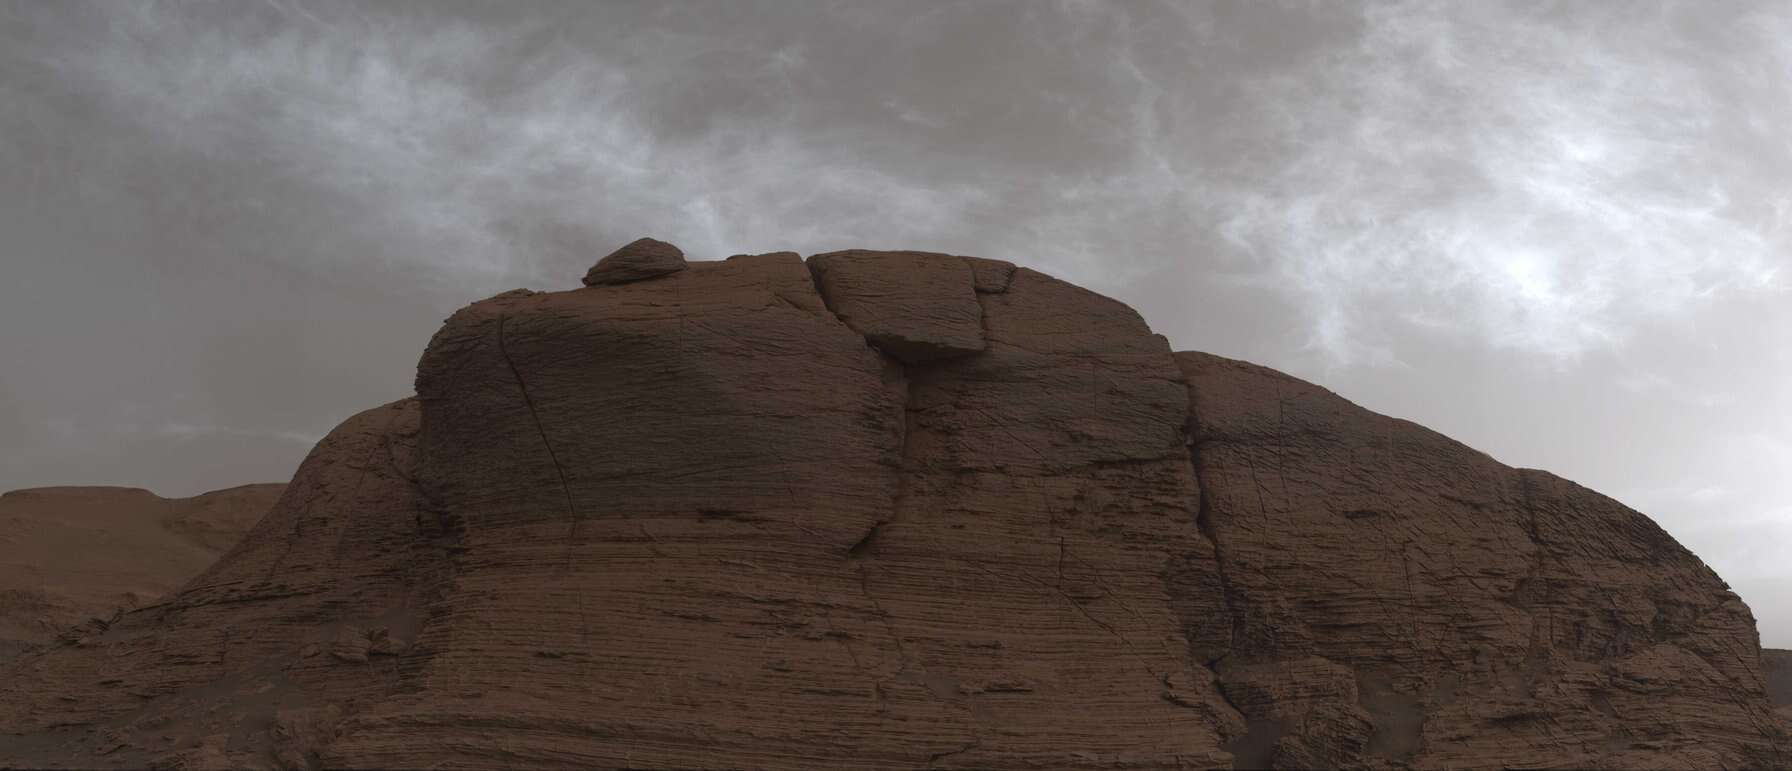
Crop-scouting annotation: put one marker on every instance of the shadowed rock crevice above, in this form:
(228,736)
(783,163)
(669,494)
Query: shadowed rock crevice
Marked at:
(903,464)
(1234,618)
(862,548)
(572,515)
(1253,673)
(990,276)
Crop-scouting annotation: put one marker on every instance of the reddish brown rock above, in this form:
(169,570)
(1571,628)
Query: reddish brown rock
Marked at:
(1490,616)
(990,276)
(640,259)
(196,680)
(70,554)
(699,522)
(915,306)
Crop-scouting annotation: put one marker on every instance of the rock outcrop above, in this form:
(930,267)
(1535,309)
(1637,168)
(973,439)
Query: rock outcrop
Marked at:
(1449,611)
(641,259)
(900,510)
(75,555)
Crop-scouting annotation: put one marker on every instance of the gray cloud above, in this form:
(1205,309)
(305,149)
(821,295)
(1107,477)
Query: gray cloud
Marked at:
(1532,179)
(1553,231)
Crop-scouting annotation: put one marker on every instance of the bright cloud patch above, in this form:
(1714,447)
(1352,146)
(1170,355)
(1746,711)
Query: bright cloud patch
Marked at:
(1537,182)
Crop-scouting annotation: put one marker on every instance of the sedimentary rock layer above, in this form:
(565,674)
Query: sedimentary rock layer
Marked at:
(901,510)
(1443,610)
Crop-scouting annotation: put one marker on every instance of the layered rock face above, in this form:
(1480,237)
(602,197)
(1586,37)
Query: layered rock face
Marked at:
(69,555)
(1396,595)
(901,510)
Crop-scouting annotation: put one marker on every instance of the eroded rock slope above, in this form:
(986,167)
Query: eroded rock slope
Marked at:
(901,510)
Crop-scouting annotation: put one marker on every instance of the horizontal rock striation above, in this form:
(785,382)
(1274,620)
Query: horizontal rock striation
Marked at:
(901,510)
(1453,612)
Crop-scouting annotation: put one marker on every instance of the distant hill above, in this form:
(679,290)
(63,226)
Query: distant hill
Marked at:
(70,554)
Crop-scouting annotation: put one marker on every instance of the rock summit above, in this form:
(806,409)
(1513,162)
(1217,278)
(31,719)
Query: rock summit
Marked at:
(642,258)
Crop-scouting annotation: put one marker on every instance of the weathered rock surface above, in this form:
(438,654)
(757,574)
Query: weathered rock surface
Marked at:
(940,512)
(1471,614)
(915,306)
(642,258)
(72,554)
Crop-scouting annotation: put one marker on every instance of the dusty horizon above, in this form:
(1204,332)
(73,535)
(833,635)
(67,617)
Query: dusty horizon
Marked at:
(1556,235)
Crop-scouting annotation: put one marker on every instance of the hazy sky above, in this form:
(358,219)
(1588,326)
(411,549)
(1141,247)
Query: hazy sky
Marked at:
(1556,231)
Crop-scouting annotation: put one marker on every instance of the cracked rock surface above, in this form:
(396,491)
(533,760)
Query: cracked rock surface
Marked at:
(915,306)
(1457,612)
(902,510)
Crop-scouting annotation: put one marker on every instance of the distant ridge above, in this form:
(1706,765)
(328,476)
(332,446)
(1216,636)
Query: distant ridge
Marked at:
(76,553)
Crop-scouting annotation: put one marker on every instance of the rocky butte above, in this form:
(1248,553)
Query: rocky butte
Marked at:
(901,510)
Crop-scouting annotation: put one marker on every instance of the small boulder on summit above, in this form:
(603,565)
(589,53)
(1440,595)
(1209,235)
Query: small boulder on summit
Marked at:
(642,258)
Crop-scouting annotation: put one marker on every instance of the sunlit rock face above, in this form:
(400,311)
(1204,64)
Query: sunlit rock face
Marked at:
(902,510)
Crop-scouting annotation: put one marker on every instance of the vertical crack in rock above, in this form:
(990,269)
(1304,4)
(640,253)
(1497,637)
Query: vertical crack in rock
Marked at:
(866,546)
(1529,587)
(983,312)
(904,461)
(905,466)
(883,616)
(1204,524)
(815,279)
(980,269)
(572,517)
(1230,599)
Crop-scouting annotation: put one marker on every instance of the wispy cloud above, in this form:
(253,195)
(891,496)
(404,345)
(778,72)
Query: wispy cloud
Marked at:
(198,431)
(1530,178)
(279,200)
(393,117)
